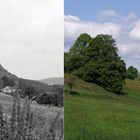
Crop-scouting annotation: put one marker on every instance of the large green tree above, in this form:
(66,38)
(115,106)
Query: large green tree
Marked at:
(99,62)
(76,57)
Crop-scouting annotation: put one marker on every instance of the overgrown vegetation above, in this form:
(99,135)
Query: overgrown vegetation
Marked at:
(21,124)
(52,99)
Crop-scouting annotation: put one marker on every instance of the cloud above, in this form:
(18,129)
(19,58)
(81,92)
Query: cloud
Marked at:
(108,14)
(74,27)
(31,37)
(130,53)
(124,29)
(130,18)
(135,32)
(71,18)
(125,20)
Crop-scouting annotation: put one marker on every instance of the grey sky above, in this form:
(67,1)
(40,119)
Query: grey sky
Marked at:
(31,37)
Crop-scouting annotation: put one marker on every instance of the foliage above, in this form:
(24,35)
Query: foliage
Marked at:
(51,99)
(2,124)
(5,81)
(96,60)
(138,77)
(54,98)
(131,72)
(30,91)
(8,81)
(75,58)
(21,124)
(14,128)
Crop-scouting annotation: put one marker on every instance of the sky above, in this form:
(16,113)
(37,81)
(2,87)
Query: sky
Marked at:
(31,37)
(121,19)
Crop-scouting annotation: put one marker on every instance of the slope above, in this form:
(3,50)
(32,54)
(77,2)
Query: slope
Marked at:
(99,115)
(23,83)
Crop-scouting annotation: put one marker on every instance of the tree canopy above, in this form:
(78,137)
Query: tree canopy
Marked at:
(96,60)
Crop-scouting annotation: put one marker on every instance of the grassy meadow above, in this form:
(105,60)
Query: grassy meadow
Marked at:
(96,114)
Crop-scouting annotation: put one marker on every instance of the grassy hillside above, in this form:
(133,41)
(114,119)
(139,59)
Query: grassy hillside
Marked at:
(99,115)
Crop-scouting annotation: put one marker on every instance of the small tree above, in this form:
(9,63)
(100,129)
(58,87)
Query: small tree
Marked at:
(70,81)
(131,72)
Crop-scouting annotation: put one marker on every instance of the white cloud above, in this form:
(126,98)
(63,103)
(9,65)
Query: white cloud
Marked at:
(108,14)
(130,52)
(124,29)
(74,28)
(135,32)
(31,37)
(129,49)
(130,18)
(71,18)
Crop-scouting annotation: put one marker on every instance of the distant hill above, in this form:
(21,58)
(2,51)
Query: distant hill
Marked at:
(53,81)
(41,87)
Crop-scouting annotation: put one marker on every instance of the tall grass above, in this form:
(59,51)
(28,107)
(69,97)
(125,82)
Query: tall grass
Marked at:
(96,114)
(21,124)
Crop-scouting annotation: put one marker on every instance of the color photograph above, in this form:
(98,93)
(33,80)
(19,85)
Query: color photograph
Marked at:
(101,70)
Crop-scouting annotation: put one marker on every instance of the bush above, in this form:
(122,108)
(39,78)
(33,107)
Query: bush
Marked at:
(51,99)
(75,93)
(131,73)
(30,92)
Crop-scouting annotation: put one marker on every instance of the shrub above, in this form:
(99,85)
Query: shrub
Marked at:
(30,92)
(51,99)
(131,73)
(74,93)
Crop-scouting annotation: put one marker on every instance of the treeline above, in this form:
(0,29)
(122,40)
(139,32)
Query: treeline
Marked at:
(96,60)
(51,98)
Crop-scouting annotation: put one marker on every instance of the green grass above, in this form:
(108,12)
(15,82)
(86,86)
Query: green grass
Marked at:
(99,115)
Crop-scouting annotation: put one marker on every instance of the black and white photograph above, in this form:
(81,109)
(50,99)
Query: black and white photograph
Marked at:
(31,69)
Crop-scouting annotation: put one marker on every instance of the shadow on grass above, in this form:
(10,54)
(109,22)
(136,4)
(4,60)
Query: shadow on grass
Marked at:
(73,93)
(123,93)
